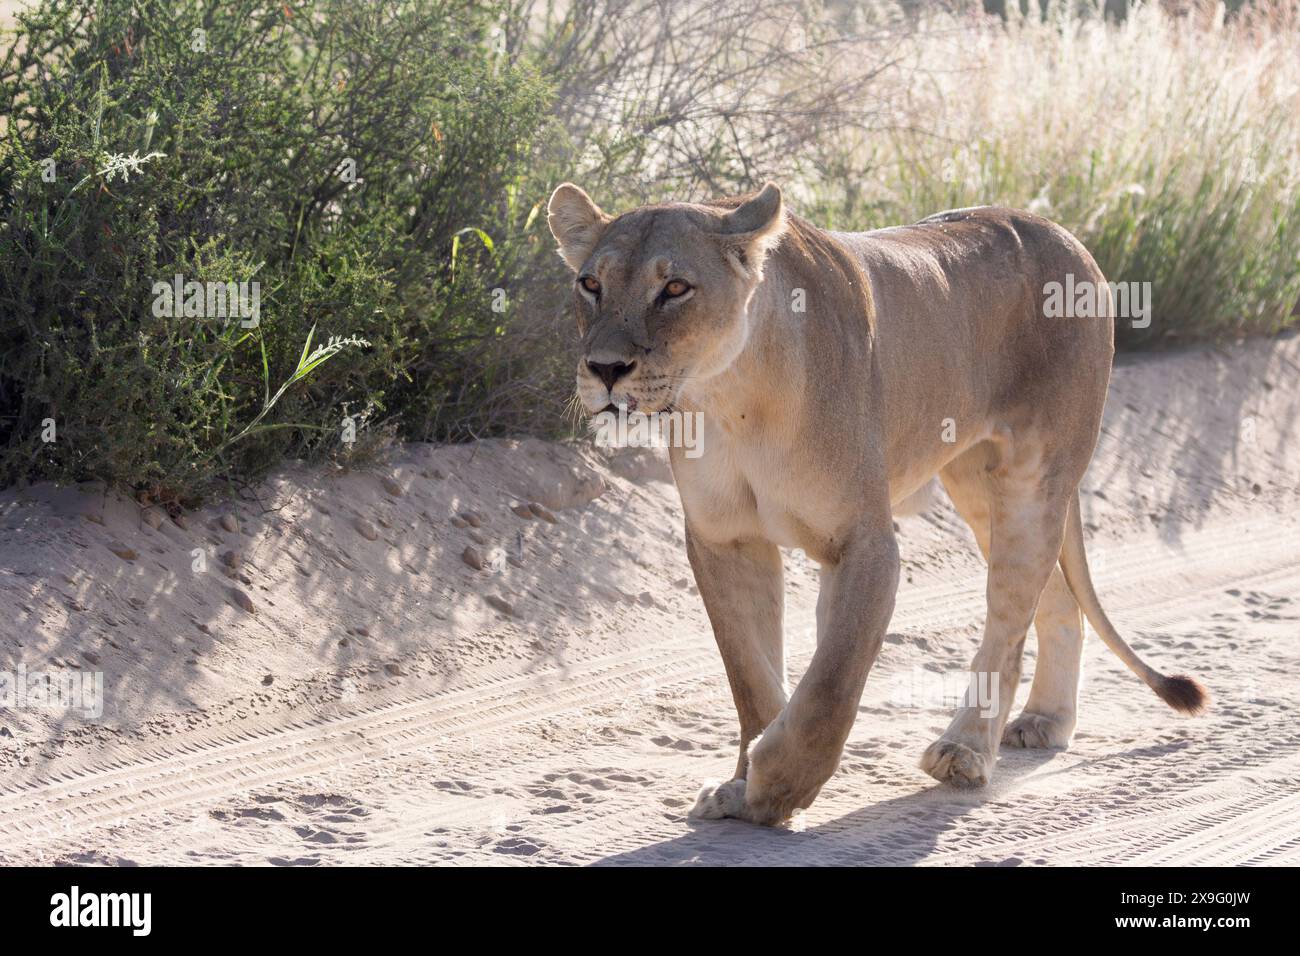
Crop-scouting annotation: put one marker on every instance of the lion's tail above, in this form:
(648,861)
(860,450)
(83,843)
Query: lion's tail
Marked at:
(1180,692)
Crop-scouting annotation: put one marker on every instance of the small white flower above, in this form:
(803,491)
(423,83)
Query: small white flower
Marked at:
(118,163)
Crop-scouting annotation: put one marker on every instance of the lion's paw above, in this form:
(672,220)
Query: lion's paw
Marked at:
(951,762)
(718,800)
(1037,730)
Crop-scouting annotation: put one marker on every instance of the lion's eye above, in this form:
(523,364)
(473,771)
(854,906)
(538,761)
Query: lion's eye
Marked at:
(591,284)
(676,289)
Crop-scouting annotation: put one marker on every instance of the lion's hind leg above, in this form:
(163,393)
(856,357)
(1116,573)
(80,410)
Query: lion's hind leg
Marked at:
(1017,507)
(1049,715)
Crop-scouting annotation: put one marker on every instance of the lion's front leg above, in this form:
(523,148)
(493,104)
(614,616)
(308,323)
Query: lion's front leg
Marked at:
(798,752)
(741,583)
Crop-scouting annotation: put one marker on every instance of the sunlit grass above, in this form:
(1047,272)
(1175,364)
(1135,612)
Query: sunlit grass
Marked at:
(1171,147)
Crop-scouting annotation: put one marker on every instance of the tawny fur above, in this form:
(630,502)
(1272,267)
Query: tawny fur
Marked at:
(837,374)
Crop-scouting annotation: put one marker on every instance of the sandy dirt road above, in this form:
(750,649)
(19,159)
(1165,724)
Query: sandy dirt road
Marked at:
(340,684)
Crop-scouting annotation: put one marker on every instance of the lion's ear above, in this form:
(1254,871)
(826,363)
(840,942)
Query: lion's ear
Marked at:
(576,223)
(751,230)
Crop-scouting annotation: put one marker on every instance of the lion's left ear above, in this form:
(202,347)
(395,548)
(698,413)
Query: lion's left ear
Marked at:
(751,230)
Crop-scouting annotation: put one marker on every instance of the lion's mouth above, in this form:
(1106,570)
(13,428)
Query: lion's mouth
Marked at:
(629,407)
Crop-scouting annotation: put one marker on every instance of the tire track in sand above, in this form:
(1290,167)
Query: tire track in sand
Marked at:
(198,769)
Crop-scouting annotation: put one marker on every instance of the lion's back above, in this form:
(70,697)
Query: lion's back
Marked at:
(960,296)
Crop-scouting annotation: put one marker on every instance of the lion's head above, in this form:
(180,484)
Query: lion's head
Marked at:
(661,292)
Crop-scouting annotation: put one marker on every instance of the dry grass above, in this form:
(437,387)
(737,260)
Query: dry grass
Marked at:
(1169,144)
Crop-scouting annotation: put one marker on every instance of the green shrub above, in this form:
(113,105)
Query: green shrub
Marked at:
(150,139)
(141,140)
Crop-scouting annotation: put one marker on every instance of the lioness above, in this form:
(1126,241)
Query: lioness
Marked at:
(918,350)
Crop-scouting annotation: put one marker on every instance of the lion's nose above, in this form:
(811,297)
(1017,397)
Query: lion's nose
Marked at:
(610,372)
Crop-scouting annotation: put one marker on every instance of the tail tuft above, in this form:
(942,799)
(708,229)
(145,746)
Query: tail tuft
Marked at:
(1183,694)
